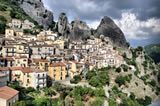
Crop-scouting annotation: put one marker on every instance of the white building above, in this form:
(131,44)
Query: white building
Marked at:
(40,78)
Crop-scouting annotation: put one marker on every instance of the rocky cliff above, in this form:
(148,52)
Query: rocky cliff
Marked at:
(63,24)
(75,31)
(79,30)
(35,9)
(108,28)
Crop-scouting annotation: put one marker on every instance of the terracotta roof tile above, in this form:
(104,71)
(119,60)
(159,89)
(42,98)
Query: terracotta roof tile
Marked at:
(57,64)
(9,58)
(15,68)
(26,70)
(4,68)
(40,60)
(7,93)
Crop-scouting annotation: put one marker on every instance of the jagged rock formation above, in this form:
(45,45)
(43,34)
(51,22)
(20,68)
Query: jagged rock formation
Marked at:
(35,9)
(62,24)
(108,28)
(79,30)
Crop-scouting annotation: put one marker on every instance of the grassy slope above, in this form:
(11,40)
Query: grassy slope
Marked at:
(153,51)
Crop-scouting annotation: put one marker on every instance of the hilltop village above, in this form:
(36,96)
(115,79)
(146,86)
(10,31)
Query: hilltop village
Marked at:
(34,59)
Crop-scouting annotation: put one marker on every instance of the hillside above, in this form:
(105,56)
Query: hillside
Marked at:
(9,9)
(153,51)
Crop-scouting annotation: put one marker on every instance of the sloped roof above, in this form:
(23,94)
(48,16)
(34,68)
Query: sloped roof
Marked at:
(7,93)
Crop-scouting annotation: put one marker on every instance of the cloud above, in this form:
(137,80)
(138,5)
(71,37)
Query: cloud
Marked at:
(94,9)
(136,29)
(94,24)
(138,19)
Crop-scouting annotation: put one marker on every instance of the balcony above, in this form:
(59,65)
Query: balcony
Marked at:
(41,77)
(42,82)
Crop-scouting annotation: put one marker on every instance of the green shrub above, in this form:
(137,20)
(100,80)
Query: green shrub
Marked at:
(94,82)
(118,69)
(76,79)
(49,92)
(153,82)
(29,89)
(112,102)
(20,103)
(79,103)
(3,8)
(97,102)
(3,23)
(41,102)
(57,86)
(120,80)
(125,67)
(132,96)
(90,74)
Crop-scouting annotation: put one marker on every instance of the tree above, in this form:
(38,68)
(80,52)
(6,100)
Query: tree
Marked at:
(3,22)
(148,100)
(97,102)
(79,103)
(49,92)
(99,92)
(20,103)
(94,82)
(153,82)
(76,79)
(3,8)
(41,102)
(118,69)
(132,96)
(57,86)
(103,78)
(13,13)
(120,80)
(90,74)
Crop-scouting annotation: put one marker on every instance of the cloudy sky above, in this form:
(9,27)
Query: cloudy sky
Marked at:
(138,19)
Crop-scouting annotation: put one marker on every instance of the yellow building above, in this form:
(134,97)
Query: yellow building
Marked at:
(61,43)
(9,33)
(19,33)
(21,61)
(76,68)
(17,74)
(8,96)
(57,71)
(41,64)
(29,77)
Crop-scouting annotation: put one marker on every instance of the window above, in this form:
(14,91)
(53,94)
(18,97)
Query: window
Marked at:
(27,74)
(54,68)
(38,75)
(43,75)
(27,80)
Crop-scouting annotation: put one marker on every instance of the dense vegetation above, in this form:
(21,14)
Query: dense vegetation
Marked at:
(153,51)
(98,77)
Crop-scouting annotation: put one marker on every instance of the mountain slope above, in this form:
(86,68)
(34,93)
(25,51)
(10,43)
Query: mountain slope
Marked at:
(36,10)
(108,28)
(153,51)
